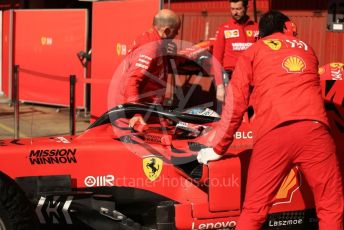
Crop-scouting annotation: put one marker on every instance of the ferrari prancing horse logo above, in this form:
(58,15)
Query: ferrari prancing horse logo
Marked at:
(152,167)
(274,44)
(249,33)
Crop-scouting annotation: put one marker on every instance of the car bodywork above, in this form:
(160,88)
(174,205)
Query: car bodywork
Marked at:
(114,177)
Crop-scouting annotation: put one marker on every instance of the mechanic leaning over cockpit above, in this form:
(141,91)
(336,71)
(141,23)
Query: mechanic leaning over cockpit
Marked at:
(279,76)
(144,76)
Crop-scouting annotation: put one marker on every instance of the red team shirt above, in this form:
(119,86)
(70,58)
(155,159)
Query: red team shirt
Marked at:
(332,71)
(282,71)
(232,40)
(143,77)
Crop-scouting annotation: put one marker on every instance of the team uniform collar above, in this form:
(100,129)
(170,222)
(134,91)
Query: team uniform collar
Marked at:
(155,34)
(248,21)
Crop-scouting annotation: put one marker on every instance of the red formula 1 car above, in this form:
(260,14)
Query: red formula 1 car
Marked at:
(115,177)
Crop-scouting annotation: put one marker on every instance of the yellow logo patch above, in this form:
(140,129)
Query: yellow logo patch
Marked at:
(231,33)
(152,167)
(336,65)
(46,41)
(43,40)
(249,33)
(321,70)
(294,64)
(289,185)
(119,49)
(274,44)
(227,34)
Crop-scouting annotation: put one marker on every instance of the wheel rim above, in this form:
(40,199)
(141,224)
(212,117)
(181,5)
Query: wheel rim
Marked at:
(2,224)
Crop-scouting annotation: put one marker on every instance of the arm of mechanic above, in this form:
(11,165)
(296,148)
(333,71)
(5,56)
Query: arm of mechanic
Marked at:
(218,53)
(143,63)
(237,101)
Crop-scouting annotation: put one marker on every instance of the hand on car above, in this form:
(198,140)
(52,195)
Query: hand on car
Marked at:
(136,120)
(207,154)
(220,93)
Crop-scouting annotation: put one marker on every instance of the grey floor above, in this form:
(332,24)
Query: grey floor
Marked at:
(38,120)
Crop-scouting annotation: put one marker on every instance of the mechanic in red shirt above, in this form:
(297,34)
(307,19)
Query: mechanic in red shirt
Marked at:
(332,71)
(143,78)
(278,75)
(232,38)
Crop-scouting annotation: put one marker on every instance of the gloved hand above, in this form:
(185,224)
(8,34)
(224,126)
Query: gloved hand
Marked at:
(207,154)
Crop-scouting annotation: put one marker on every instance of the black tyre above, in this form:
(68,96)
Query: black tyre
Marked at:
(16,212)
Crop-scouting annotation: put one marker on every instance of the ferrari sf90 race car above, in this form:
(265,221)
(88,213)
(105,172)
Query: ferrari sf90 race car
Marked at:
(146,177)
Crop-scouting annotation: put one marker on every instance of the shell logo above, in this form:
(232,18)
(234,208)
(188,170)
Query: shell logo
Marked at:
(294,64)
(227,34)
(290,184)
(231,33)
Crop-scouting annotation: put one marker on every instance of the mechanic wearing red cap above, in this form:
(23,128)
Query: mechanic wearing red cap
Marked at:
(278,74)
(232,38)
(144,76)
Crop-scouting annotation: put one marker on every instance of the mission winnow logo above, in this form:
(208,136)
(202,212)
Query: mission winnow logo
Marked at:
(52,156)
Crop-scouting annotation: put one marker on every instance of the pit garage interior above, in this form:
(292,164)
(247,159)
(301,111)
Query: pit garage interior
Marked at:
(44,88)
(57,63)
